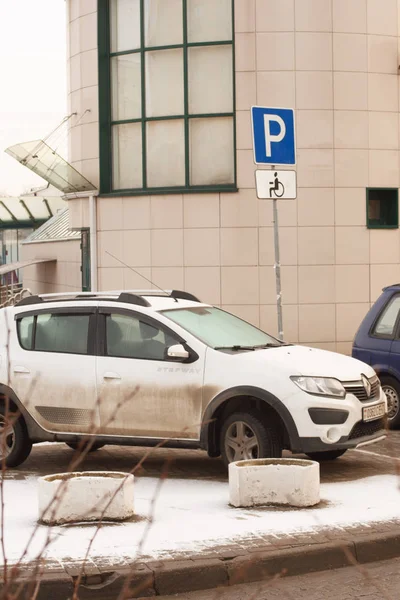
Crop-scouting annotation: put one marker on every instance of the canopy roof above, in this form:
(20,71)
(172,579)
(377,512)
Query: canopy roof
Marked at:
(28,211)
(44,161)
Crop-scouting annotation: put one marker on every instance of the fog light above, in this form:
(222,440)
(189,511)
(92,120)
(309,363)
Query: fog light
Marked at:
(333,435)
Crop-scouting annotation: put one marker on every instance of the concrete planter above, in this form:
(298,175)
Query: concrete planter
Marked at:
(91,496)
(282,482)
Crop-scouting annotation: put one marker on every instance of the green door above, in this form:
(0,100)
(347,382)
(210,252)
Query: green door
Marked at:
(85,260)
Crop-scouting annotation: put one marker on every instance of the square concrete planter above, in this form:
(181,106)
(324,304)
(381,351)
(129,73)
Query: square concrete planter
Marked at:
(281,482)
(91,496)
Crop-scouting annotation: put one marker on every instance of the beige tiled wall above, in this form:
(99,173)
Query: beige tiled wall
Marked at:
(336,62)
(62,276)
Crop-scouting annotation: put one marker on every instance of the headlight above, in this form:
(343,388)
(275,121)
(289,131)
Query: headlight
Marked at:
(320,386)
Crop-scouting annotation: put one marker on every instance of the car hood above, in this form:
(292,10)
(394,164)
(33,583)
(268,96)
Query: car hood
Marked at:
(301,360)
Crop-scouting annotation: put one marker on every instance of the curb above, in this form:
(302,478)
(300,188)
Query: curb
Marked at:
(159,578)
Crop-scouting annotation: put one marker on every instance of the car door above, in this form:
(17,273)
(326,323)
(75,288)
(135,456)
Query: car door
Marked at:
(53,368)
(394,359)
(385,348)
(142,393)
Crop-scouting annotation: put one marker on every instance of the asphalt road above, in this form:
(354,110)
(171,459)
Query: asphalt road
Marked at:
(377,581)
(45,459)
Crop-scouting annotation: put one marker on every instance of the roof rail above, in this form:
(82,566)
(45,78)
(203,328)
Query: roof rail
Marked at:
(178,295)
(136,297)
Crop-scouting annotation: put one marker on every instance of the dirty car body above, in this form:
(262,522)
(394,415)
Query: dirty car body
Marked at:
(141,368)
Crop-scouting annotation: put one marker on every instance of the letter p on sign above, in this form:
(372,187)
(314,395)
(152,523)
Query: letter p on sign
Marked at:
(273,136)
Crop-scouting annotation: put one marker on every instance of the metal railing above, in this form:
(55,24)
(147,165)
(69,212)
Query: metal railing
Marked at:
(13,293)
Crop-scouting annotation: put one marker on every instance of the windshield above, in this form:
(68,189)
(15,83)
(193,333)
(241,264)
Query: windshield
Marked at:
(219,329)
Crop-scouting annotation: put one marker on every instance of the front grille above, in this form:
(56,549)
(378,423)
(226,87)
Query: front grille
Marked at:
(362,429)
(361,394)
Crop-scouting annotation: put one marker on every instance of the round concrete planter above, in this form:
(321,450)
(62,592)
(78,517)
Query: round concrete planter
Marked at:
(275,481)
(91,496)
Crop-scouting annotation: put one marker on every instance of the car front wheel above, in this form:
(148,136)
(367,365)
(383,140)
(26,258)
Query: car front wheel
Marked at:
(391,387)
(245,437)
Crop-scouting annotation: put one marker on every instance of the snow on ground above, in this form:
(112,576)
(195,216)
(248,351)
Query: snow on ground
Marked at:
(193,516)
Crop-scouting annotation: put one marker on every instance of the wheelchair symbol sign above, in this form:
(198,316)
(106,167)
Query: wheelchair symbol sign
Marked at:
(278,189)
(276,184)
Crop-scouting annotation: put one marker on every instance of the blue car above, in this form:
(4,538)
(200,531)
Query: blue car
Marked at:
(377,343)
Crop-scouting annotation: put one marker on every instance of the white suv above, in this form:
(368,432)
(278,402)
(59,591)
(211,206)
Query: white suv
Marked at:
(135,368)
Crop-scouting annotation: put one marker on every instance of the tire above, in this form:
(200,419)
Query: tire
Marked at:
(323,456)
(17,445)
(391,387)
(265,439)
(82,447)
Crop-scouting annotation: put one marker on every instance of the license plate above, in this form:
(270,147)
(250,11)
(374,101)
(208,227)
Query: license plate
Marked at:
(370,413)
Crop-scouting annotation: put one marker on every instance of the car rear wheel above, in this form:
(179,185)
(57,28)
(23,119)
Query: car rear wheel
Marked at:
(82,446)
(15,445)
(245,437)
(323,456)
(391,387)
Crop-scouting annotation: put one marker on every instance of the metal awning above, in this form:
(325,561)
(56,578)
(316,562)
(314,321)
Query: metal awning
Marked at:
(55,229)
(40,158)
(4,269)
(28,211)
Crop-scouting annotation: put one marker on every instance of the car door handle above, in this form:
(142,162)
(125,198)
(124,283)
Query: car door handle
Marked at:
(111,375)
(21,370)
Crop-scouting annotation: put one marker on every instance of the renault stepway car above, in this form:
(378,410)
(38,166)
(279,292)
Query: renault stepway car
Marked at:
(378,343)
(135,368)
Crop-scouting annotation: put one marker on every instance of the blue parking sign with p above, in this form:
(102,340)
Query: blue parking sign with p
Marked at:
(273,136)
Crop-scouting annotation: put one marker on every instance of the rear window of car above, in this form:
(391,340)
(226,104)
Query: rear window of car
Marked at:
(46,332)
(386,323)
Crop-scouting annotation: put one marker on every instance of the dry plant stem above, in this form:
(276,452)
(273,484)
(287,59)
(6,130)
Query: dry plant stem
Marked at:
(100,522)
(123,595)
(63,487)
(4,457)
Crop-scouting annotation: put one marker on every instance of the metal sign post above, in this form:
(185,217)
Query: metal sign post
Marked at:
(277,268)
(274,143)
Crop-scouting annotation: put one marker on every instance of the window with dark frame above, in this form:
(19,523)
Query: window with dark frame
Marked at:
(382,208)
(167,101)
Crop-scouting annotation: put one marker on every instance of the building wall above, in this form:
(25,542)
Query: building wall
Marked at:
(62,276)
(336,62)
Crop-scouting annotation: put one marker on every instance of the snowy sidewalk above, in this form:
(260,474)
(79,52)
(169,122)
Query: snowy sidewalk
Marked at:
(187,535)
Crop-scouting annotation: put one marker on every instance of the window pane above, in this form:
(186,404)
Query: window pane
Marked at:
(163,22)
(164,83)
(128,337)
(211,151)
(127,156)
(25,331)
(209,20)
(125,25)
(126,87)
(165,153)
(387,321)
(210,80)
(62,333)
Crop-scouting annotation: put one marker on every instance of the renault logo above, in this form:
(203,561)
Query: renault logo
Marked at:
(367,385)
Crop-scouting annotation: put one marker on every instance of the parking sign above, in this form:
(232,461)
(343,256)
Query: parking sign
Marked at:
(273,136)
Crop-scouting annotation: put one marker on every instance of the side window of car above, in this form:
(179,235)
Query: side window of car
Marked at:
(128,337)
(386,324)
(67,333)
(25,332)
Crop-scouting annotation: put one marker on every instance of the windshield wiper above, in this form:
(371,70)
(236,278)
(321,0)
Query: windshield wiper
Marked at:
(235,348)
(257,347)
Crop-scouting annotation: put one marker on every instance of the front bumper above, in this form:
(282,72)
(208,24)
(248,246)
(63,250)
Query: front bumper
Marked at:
(361,434)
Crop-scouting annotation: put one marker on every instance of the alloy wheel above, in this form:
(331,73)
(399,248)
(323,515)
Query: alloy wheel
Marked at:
(241,442)
(393,401)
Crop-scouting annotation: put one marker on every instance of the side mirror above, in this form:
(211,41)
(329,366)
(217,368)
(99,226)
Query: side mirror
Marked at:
(177,353)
